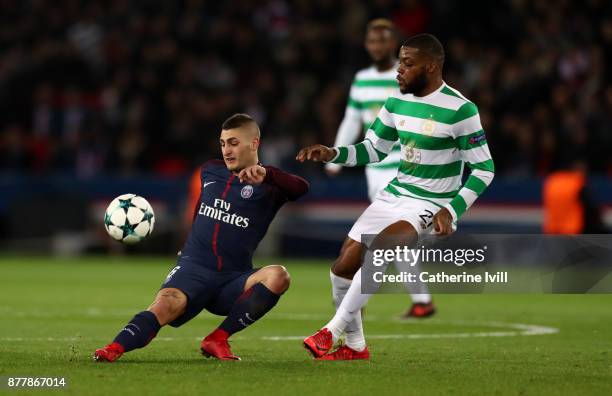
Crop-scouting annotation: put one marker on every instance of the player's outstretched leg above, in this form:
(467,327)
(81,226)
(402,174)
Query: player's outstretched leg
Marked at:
(341,275)
(262,291)
(321,342)
(168,305)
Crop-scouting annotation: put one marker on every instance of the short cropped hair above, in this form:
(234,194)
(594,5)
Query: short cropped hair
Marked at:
(428,44)
(383,24)
(237,120)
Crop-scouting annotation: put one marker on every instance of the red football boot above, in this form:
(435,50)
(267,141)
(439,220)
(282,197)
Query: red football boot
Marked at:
(420,311)
(109,353)
(319,343)
(346,353)
(217,346)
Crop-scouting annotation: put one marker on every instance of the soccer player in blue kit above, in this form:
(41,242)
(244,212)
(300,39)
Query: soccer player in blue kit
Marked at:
(238,200)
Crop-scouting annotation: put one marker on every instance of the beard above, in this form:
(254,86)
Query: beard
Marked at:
(418,83)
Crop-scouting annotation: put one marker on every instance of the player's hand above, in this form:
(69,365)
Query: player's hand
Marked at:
(316,153)
(332,170)
(443,222)
(254,174)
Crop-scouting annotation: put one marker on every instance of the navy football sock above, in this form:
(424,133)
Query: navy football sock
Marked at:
(139,332)
(249,307)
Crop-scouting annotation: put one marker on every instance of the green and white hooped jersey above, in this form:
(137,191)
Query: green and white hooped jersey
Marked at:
(369,91)
(439,134)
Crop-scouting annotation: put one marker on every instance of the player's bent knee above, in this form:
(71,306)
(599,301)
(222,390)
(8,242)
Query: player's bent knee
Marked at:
(349,260)
(341,269)
(169,304)
(277,279)
(282,279)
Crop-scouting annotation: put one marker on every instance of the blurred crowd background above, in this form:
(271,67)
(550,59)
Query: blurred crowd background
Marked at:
(95,87)
(100,98)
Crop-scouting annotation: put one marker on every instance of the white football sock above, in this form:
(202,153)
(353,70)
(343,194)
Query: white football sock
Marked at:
(340,286)
(354,330)
(349,311)
(354,333)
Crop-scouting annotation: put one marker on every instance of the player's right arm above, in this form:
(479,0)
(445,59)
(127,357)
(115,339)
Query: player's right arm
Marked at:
(380,139)
(350,128)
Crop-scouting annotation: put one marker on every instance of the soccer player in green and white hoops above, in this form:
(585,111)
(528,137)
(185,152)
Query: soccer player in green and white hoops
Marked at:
(440,132)
(369,90)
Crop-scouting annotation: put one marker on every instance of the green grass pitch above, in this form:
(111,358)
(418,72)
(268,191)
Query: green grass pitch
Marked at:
(54,312)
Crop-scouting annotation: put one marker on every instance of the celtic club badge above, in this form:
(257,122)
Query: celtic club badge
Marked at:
(412,154)
(428,127)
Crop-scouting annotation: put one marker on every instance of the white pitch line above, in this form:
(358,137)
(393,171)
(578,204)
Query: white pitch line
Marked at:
(30,339)
(517,329)
(128,313)
(520,330)
(409,336)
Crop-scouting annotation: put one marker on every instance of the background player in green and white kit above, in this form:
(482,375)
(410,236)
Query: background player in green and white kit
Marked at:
(440,132)
(369,90)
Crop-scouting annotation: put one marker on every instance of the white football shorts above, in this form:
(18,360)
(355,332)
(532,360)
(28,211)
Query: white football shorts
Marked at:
(388,209)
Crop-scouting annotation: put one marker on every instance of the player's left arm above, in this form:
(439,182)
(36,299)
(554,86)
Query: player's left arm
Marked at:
(291,185)
(254,174)
(472,145)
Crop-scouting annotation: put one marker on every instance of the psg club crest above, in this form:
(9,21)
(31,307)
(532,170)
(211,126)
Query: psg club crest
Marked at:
(246,191)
